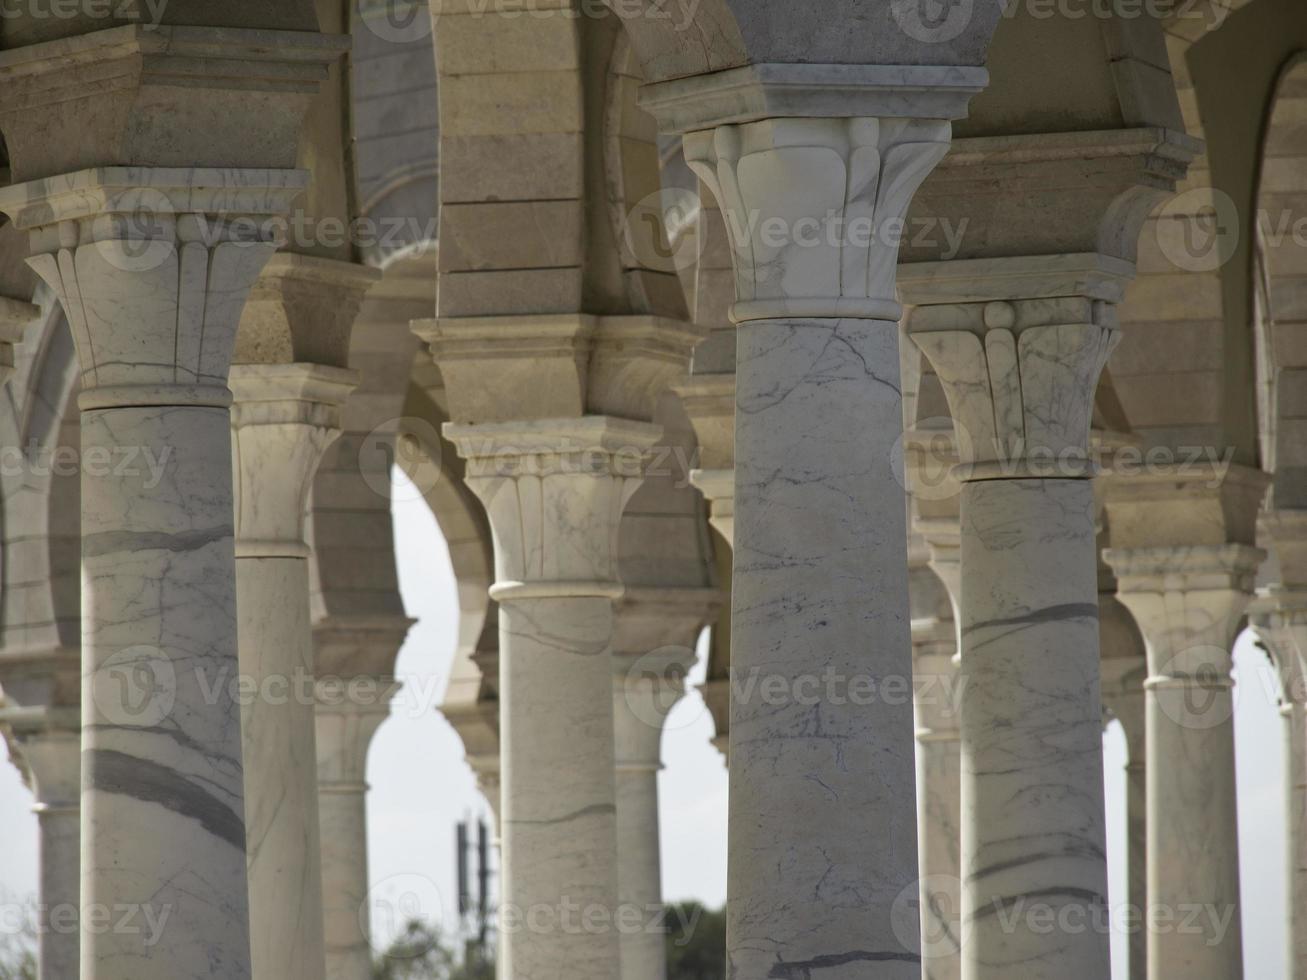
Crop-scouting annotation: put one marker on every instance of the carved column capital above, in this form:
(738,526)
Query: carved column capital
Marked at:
(1020,377)
(554,491)
(1187,602)
(283,419)
(814,208)
(45,745)
(153,267)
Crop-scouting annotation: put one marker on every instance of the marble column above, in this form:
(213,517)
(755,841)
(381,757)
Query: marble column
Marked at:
(283,419)
(46,743)
(818,514)
(1124,670)
(1020,376)
(1188,602)
(154,305)
(345,723)
(1281,623)
(554,491)
(653,652)
(939,767)
(1279,617)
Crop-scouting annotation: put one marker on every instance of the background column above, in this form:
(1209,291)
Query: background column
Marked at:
(347,715)
(554,492)
(46,744)
(284,417)
(1020,379)
(154,319)
(654,651)
(1188,600)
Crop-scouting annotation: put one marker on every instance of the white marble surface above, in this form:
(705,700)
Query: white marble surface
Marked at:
(283,419)
(810,206)
(1123,674)
(1188,602)
(52,758)
(939,780)
(344,730)
(1033,837)
(823,824)
(554,492)
(1280,620)
(154,319)
(162,800)
(654,651)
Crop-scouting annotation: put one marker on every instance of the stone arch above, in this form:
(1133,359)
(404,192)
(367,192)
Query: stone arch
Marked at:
(471,701)
(1280,259)
(1186,366)
(41,552)
(396,125)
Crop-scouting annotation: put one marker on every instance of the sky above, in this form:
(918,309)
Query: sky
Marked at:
(421,786)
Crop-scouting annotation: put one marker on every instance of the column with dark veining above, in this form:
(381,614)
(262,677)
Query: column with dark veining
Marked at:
(1020,379)
(819,591)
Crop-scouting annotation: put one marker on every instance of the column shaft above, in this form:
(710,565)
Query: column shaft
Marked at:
(558,786)
(1279,620)
(1188,602)
(1123,696)
(554,492)
(1295,721)
(162,802)
(57,952)
(284,418)
(654,652)
(819,600)
(282,824)
(933,589)
(1033,839)
(644,954)
(344,731)
(47,747)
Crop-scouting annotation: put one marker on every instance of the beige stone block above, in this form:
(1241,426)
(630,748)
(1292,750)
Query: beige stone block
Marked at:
(1285,173)
(1288,296)
(522,102)
(509,293)
(510,235)
(1289,343)
(501,10)
(1177,345)
(1178,435)
(486,45)
(1182,296)
(1171,399)
(491,168)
